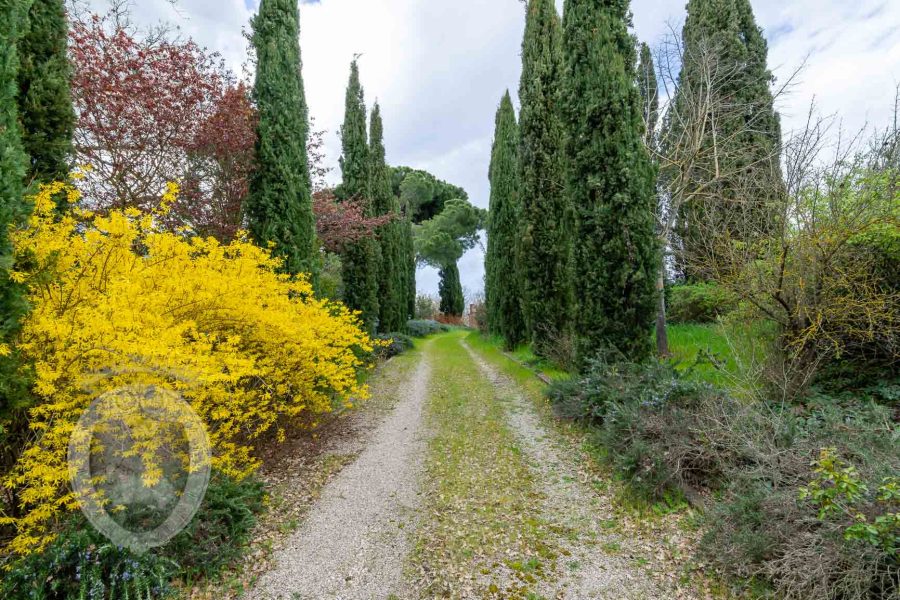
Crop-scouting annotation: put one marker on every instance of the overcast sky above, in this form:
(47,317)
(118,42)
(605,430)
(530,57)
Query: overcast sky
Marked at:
(440,67)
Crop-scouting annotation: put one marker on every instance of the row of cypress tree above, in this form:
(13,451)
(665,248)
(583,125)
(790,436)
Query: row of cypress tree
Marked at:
(577,217)
(577,212)
(379,273)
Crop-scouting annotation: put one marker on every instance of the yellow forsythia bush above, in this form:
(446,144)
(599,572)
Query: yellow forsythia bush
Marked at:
(117,302)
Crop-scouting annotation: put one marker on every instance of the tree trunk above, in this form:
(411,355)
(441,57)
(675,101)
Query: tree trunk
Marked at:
(662,336)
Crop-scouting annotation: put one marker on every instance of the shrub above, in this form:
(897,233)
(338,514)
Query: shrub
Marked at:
(81,563)
(815,512)
(424,328)
(222,527)
(394,344)
(698,303)
(812,524)
(117,302)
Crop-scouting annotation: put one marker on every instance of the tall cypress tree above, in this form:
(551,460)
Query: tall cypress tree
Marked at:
(360,259)
(392,295)
(409,261)
(503,286)
(610,182)
(13,165)
(45,99)
(547,220)
(453,301)
(648,87)
(279,207)
(739,183)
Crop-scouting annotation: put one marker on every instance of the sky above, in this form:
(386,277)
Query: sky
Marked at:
(439,68)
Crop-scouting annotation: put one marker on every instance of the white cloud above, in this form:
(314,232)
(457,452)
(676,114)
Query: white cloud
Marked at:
(439,68)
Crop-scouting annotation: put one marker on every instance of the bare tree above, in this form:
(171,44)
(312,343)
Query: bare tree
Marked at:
(695,160)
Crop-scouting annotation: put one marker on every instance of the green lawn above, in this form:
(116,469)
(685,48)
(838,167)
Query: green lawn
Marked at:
(724,355)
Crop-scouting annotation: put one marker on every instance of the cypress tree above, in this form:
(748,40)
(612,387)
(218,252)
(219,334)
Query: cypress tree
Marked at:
(610,182)
(453,302)
(13,165)
(409,261)
(45,98)
(502,283)
(739,186)
(360,259)
(392,294)
(649,89)
(279,206)
(547,220)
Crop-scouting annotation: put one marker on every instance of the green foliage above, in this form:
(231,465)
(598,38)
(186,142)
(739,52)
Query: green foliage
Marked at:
(82,564)
(448,236)
(220,532)
(426,307)
(737,191)
(442,241)
(13,164)
(360,259)
(279,206)
(397,343)
(45,99)
(698,303)
(393,273)
(547,223)
(331,281)
(611,182)
(809,523)
(503,284)
(837,490)
(422,193)
(649,90)
(453,302)
(425,327)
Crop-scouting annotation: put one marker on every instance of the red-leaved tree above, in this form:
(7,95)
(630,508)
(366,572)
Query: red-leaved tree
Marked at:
(140,106)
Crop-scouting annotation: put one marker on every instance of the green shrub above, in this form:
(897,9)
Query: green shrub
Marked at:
(398,343)
(760,471)
(221,529)
(424,327)
(698,303)
(82,564)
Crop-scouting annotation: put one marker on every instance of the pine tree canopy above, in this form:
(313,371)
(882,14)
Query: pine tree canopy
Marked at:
(503,289)
(611,182)
(279,206)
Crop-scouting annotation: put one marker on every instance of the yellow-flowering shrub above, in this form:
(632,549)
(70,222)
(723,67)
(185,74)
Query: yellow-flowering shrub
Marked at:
(116,302)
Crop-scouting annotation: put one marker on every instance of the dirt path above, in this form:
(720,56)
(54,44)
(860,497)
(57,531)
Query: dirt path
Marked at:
(464,490)
(354,541)
(599,562)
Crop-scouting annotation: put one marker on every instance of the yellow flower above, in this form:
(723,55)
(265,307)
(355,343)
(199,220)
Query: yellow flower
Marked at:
(249,348)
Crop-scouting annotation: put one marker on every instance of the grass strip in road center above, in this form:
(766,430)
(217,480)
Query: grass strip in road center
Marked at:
(482,535)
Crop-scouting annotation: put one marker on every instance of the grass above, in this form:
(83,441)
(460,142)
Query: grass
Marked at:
(484,531)
(726,355)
